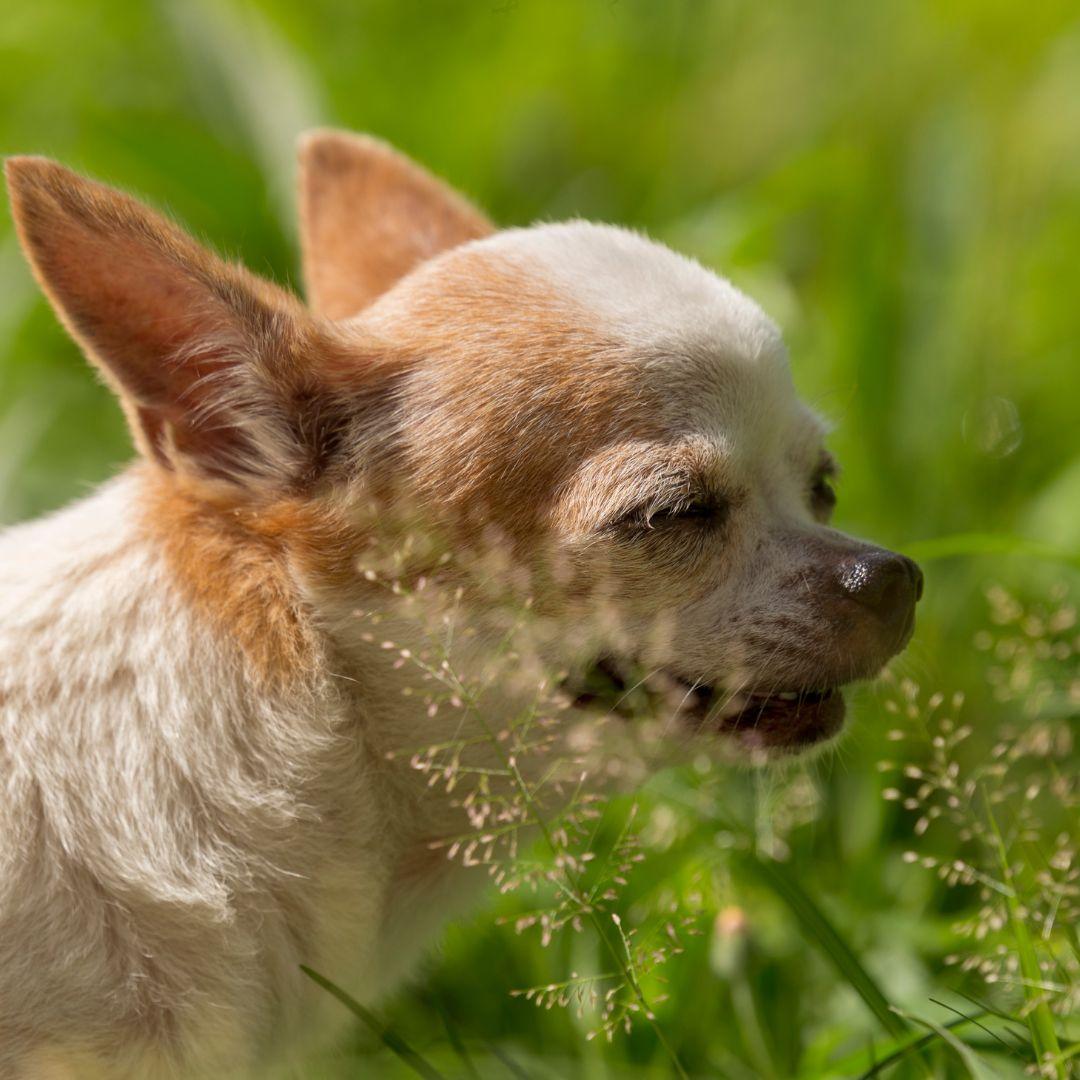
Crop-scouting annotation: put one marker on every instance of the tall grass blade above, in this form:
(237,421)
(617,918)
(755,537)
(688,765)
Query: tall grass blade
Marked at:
(945,547)
(976,1067)
(1010,1022)
(1040,1019)
(511,1065)
(456,1041)
(818,928)
(1070,1052)
(389,1038)
(892,1053)
(271,91)
(971,1019)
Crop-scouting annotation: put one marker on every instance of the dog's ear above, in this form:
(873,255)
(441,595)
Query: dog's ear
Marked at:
(368,215)
(218,370)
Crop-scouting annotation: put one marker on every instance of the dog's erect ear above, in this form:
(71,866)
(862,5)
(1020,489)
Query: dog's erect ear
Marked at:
(217,369)
(368,215)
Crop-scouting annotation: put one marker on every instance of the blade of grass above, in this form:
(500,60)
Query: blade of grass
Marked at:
(1040,1020)
(1068,1053)
(818,928)
(944,547)
(389,1038)
(750,1027)
(270,89)
(982,1027)
(1016,1028)
(893,1052)
(977,1069)
(511,1065)
(457,1044)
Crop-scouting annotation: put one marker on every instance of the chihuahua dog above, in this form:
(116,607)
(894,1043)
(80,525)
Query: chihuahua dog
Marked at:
(197,736)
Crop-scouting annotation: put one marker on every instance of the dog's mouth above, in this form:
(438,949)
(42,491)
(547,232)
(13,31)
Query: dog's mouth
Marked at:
(774,720)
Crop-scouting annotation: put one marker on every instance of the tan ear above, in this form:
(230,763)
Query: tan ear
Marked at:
(211,363)
(368,215)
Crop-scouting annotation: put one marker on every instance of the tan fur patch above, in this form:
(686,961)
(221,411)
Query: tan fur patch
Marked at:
(231,561)
(368,216)
(518,386)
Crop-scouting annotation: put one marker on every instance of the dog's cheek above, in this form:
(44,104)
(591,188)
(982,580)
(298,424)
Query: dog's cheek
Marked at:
(664,602)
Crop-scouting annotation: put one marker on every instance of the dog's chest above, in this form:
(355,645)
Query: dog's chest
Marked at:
(185,839)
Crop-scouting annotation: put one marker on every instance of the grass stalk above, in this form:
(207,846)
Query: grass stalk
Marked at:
(819,929)
(622,957)
(1039,1018)
(386,1035)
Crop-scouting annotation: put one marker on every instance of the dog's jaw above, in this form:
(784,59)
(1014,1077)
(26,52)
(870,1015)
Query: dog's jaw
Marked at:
(753,722)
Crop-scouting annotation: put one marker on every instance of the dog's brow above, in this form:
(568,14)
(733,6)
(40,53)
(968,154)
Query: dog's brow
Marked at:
(653,486)
(655,492)
(625,478)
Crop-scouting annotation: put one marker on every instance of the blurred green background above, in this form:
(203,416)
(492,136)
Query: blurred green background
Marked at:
(897,182)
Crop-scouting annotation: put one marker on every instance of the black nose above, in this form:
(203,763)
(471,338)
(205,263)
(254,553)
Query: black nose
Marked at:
(886,583)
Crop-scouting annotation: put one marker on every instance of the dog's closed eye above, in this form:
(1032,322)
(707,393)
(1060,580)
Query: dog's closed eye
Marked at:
(696,511)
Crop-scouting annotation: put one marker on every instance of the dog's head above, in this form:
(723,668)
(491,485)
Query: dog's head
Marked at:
(575,389)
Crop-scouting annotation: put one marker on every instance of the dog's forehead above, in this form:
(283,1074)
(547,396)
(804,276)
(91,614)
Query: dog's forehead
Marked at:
(660,300)
(706,351)
(588,331)
(584,360)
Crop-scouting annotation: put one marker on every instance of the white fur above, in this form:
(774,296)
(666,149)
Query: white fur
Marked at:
(662,302)
(173,844)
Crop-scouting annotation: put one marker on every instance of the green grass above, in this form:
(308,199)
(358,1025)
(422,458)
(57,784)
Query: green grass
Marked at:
(898,184)
(386,1035)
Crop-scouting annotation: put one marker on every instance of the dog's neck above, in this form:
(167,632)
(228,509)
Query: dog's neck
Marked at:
(279,597)
(286,587)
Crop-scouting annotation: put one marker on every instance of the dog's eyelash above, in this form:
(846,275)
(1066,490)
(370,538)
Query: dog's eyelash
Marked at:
(691,511)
